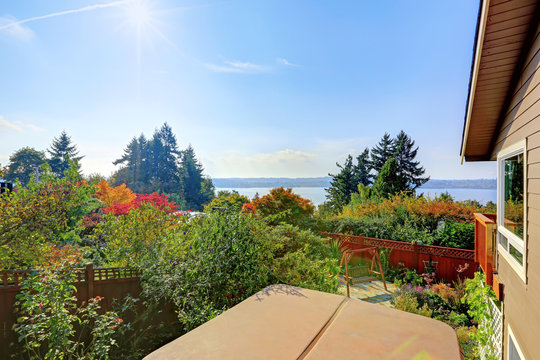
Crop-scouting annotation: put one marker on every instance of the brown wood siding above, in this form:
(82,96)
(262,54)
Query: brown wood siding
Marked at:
(522,121)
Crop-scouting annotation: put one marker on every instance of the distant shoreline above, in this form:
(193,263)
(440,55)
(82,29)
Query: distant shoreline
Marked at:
(325,182)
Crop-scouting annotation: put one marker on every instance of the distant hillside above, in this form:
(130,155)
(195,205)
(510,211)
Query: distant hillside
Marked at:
(461,184)
(271,182)
(325,182)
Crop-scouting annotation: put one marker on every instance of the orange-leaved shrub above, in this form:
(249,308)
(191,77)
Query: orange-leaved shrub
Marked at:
(114,195)
(419,207)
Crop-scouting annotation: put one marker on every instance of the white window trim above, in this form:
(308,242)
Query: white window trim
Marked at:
(516,344)
(519,244)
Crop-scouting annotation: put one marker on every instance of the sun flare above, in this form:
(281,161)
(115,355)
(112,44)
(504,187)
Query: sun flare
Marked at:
(139,13)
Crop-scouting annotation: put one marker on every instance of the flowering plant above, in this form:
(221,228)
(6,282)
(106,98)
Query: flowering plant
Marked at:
(48,313)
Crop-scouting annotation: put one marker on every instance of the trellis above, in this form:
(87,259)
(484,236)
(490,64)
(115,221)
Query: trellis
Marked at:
(493,349)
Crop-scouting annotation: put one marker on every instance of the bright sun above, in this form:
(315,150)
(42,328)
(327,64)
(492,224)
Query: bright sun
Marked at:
(139,13)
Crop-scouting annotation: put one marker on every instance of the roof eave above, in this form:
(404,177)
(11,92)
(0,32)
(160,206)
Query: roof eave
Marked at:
(477,53)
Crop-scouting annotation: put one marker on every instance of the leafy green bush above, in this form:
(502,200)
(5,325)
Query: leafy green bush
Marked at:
(298,269)
(227,202)
(41,215)
(403,275)
(49,316)
(137,238)
(477,299)
(215,262)
(408,302)
(466,336)
(218,261)
(455,234)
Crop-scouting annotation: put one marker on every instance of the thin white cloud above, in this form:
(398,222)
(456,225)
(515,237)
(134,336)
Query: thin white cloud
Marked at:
(6,125)
(11,27)
(18,126)
(238,67)
(286,62)
(285,162)
(14,24)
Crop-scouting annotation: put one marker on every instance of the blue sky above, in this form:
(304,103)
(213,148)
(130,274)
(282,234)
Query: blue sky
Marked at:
(258,87)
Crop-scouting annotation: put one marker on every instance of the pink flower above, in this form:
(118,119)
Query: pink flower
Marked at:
(40,304)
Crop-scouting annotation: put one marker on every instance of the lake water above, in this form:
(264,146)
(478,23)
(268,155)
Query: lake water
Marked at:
(318,195)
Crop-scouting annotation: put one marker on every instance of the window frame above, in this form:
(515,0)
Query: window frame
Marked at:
(512,239)
(516,344)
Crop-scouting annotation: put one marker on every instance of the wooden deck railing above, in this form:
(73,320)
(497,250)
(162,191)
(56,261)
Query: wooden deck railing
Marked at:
(485,243)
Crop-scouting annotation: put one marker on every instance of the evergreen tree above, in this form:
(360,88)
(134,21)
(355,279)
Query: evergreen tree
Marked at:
(388,182)
(168,174)
(342,185)
(196,187)
(61,151)
(24,164)
(362,168)
(407,168)
(133,172)
(208,190)
(381,152)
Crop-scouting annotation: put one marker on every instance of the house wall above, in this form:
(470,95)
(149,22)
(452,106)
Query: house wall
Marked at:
(522,121)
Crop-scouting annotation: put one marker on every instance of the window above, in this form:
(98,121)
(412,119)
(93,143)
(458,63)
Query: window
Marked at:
(511,206)
(514,351)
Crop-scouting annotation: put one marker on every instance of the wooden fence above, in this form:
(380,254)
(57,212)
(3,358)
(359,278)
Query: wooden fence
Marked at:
(446,261)
(110,283)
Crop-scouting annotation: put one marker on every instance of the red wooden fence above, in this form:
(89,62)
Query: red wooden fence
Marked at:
(445,260)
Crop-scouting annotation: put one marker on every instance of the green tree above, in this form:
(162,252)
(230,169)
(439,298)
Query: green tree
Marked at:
(388,182)
(61,151)
(94,178)
(408,169)
(165,156)
(41,214)
(134,172)
(24,164)
(208,190)
(3,170)
(381,152)
(363,167)
(197,188)
(342,185)
(227,201)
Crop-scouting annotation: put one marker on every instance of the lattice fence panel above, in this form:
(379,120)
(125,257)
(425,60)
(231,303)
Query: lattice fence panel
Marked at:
(446,252)
(495,342)
(389,244)
(114,273)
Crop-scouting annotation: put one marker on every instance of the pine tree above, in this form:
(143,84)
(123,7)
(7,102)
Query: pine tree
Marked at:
(196,187)
(342,185)
(24,164)
(388,182)
(407,168)
(163,157)
(133,172)
(362,168)
(169,175)
(61,151)
(381,152)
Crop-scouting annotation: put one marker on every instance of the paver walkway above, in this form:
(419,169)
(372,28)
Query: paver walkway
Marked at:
(363,288)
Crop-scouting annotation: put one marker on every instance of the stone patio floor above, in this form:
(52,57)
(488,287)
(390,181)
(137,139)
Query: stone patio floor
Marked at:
(368,289)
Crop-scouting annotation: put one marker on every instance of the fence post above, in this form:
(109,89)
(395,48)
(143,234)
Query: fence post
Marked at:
(90,280)
(415,256)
